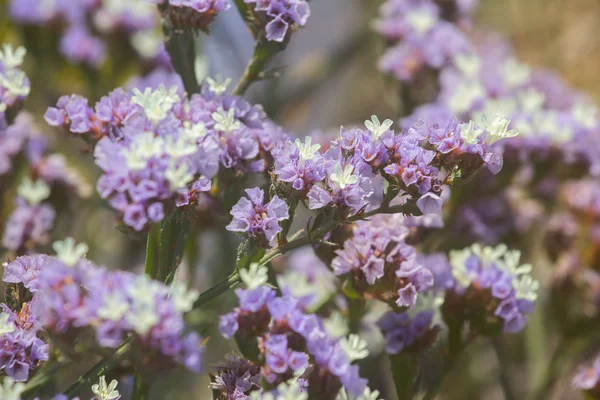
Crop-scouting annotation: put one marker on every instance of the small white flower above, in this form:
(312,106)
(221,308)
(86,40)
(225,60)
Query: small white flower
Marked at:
(178,175)
(15,83)
(460,273)
(514,73)
(5,325)
(526,288)
(257,395)
(179,147)
(143,317)
(366,395)
(336,325)
(183,299)
(104,391)
(225,121)
(219,85)
(489,254)
(68,252)
(195,131)
(156,103)
(147,43)
(307,150)
(586,114)
(343,177)
(469,65)
(421,21)
(355,347)
(531,100)
(498,129)
(510,263)
(113,308)
(470,132)
(12,58)
(290,390)
(3,107)
(11,390)
(376,127)
(33,192)
(142,148)
(465,95)
(255,275)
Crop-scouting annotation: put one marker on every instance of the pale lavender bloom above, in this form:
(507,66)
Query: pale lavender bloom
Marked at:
(236,378)
(257,219)
(377,247)
(28,222)
(115,304)
(404,332)
(280,16)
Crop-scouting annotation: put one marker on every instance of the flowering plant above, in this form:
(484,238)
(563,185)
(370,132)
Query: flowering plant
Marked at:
(369,259)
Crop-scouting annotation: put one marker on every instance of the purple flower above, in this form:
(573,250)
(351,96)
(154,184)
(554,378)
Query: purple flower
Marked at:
(377,249)
(280,15)
(236,378)
(257,219)
(25,270)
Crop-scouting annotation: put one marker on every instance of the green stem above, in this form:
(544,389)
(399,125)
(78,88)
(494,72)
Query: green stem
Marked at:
(140,388)
(43,376)
(181,46)
(504,380)
(234,278)
(434,390)
(103,367)
(214,292)
(264,52)
(152,250)
(404,370)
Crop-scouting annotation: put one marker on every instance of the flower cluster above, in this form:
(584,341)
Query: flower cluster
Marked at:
(379,262)
(290,340)
(587,379)
(421,38)
(280,17)
(158,150)
(71,295)
(489,289)
(417,162)
(85,25)
(256,219)
(482,83)
(404,333)
(14,84)
(21,351)
(236,378)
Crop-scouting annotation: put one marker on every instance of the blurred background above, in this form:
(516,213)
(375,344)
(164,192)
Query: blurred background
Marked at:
(330,79)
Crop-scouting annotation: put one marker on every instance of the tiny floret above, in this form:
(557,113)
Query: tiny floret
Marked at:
(182,298)
(219,85)
(225,121)
(376,127)
(355,347)
(12,58)
(156,103)
(11,390)
(33,192)
(254,276)
(68,252)
(104,391)
(343,177)
(307,150)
